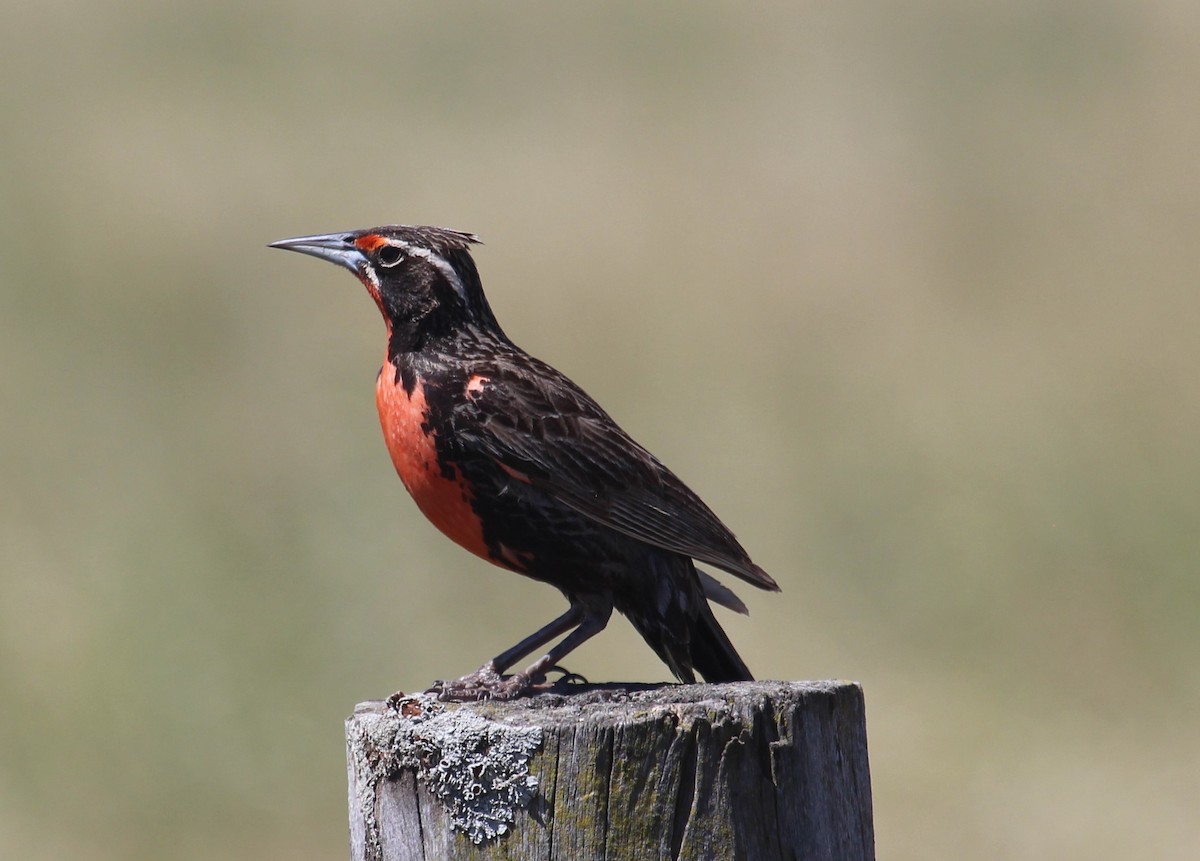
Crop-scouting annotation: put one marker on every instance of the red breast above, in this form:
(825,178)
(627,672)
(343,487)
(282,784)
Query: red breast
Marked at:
(412,445)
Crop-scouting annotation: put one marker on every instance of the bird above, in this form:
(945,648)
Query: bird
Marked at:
(517,464)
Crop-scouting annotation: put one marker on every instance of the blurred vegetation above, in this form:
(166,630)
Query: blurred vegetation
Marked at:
(907,293)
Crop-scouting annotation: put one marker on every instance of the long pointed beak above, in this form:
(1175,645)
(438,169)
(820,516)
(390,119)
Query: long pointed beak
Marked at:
(337,248)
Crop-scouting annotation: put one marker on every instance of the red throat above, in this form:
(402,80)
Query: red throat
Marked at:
(446,501)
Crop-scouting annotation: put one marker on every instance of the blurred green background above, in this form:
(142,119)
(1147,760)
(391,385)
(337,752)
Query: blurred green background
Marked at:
(907,293)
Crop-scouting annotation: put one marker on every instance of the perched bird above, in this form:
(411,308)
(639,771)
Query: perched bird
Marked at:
(517,464)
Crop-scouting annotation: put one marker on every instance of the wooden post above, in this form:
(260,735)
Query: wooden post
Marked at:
(753,770)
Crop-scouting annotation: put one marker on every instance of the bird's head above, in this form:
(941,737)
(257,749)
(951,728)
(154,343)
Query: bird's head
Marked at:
(422,278)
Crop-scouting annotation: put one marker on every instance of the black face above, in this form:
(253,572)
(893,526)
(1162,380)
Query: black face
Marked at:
(422,278)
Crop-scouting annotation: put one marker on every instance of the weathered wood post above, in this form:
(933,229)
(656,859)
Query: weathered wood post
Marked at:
(753,770)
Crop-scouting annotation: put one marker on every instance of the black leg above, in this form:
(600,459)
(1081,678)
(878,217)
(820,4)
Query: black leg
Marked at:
(573,618)
(487,683)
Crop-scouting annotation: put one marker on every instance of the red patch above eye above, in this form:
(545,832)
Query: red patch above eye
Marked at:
(369,242)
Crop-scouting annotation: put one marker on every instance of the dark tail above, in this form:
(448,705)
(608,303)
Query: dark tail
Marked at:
(713,656)
(672,615)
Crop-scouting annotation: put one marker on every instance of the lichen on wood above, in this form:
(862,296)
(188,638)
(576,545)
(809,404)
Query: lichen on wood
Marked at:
(750,770)
(476,768)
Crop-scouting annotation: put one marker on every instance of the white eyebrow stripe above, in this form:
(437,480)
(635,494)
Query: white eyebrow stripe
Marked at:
(440,262)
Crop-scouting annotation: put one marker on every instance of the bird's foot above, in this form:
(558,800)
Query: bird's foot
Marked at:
(487,684)
(567,678)
(483,684)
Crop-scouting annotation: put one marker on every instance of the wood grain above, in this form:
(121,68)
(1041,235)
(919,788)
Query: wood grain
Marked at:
(752,770)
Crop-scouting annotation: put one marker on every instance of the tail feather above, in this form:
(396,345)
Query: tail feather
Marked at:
(713,656)
(674,618)
(719,593)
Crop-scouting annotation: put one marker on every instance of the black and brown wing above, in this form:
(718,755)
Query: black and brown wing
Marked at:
(540,427)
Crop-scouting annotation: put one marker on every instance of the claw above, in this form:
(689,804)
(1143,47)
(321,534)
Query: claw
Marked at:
(483,684)
(568,677)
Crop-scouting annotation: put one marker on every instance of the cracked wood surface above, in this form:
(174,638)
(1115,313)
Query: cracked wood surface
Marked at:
(752,770)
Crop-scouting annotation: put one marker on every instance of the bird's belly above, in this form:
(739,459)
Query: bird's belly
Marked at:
(439,490)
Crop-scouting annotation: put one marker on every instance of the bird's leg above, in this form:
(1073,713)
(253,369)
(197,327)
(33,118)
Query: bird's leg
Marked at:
(486,682)
(520,683)
(573,618)
(479,684)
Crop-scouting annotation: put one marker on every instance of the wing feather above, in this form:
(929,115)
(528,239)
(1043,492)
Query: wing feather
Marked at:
(548,430)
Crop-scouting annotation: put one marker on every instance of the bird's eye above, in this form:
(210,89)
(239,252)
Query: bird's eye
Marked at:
(390,255)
